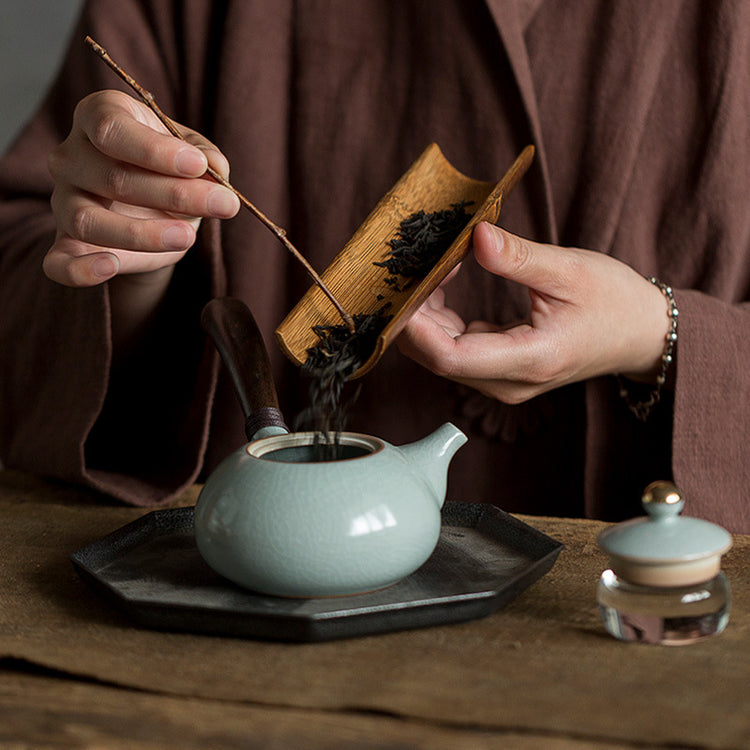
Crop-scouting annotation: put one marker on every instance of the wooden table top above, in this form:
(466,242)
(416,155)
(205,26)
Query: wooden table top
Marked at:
(541,672)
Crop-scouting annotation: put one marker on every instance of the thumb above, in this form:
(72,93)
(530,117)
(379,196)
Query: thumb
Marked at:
(215,158)
(535,265)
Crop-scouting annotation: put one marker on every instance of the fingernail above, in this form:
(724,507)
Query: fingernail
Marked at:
(190,162)
(105,268)
(493,235)
(176,237)
(222,203)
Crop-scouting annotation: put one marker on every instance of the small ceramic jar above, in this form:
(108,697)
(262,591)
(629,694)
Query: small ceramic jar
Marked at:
(664,584)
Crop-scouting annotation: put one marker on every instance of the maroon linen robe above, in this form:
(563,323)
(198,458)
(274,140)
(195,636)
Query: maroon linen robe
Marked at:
(639,113)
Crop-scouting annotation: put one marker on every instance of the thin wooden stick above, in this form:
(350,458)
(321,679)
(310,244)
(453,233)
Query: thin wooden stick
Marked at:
(148,99)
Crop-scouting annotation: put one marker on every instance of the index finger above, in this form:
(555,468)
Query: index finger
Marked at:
(481,352)
(126,130)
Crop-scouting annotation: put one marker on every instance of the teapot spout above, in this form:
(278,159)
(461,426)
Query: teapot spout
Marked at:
(432,455)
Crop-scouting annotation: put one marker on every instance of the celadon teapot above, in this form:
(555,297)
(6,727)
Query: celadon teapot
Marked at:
(273,519)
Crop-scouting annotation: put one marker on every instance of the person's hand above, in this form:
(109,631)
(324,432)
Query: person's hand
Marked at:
(590,315)
(126,200)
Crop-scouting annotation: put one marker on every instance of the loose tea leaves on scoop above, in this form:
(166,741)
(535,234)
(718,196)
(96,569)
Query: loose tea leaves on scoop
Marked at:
(422,240)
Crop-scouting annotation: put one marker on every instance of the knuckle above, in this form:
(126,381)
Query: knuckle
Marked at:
(133,236)
(105,130)
(178,197)
(115,181)
(82,223)
(152,151)
(519,252)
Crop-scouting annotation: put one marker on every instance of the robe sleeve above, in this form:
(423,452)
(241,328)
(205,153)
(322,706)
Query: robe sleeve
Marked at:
(135,435)
(710,444)
(703,421)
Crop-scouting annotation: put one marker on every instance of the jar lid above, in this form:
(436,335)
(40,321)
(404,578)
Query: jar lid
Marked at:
(664,548)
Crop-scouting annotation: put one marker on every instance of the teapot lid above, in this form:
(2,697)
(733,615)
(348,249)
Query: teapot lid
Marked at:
(664,548)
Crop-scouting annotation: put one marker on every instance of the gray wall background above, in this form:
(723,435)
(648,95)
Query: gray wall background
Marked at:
(33,37)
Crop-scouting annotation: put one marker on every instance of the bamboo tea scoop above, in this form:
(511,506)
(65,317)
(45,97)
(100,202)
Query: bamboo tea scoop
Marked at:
(431,184)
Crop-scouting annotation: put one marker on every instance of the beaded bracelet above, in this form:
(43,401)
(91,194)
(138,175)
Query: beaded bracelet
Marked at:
(643,408)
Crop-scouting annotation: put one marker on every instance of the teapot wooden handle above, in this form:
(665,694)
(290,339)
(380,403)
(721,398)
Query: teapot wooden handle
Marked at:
(232,327)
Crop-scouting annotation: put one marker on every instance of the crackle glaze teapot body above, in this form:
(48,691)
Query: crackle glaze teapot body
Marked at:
(274,518)
(274,521)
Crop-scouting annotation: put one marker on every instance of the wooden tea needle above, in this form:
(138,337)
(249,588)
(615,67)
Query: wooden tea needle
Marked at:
(148,98)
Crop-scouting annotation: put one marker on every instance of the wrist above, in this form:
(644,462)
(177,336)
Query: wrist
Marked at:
(134,301)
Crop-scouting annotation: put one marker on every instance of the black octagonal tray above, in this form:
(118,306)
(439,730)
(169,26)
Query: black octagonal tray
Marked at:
(151,569)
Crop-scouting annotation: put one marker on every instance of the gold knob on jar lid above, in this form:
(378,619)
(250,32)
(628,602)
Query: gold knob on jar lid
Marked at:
(661,492)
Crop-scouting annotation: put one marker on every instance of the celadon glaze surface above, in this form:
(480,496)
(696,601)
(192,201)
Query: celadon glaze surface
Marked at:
(294,528)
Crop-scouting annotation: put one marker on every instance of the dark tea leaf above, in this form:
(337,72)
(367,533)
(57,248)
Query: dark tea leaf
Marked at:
(330,363)
(422,240)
